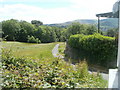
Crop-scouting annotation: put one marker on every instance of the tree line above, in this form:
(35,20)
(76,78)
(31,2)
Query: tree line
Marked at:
(36,32)
(14,30)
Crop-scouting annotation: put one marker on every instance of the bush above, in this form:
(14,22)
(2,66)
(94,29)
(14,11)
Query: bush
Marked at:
(32,39)
(98,49)
(27,73)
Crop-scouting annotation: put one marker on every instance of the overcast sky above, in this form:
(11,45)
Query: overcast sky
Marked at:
(53,11)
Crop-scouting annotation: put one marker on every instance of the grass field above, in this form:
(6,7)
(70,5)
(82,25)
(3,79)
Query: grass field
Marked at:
(34,51)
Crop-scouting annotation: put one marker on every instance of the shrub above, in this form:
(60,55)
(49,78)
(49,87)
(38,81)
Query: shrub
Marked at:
(32,39)
(28,73)
(98,49)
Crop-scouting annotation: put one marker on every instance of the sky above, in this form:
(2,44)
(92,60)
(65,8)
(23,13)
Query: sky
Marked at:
(53,11)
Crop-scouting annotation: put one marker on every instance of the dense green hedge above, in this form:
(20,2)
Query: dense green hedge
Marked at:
(96,48)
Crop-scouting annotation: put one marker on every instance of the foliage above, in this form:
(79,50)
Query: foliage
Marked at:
(61,48)
(61,34)
(48,34)
(77,28)
(32,39)
(28,27)
(28,73)
(14,30)
(91,30)
(36,22)
(38,33)
(10,27)
(112,32)
(96,48)
(21,35)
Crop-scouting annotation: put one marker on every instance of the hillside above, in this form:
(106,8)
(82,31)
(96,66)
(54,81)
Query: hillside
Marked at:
(105,23)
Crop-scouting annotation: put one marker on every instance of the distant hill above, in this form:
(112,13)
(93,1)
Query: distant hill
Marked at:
(104,23)
(109,23)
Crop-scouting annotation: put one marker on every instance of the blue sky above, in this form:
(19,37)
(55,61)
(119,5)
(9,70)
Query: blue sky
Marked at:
(53,11)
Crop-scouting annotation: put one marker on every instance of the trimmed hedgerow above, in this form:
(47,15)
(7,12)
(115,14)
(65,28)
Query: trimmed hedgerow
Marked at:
(98,49)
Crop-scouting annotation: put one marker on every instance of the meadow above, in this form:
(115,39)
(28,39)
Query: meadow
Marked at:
(30,50)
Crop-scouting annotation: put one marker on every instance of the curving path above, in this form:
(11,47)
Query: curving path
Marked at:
(55,53)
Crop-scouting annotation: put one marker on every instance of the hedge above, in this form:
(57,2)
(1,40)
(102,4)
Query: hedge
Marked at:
(98,49)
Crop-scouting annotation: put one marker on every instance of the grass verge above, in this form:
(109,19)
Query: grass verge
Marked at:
(61,48)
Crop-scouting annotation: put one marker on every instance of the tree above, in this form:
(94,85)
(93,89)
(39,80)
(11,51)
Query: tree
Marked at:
(58,32)
(20,30)
(48,34)
(91,29)
(10,28)
(112,32)
(22,35)
(1,30)
(75,28)
(36,22)
(28,27)
(32,39)
(38,33)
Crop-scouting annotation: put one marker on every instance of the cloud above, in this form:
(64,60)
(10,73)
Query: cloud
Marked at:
(80,9)
(36,1)
(27,12)
(96,6)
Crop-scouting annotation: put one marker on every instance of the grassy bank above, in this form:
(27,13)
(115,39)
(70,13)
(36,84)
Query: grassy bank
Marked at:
(61,48)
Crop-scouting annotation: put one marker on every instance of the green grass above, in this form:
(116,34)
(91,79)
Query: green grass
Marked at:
(30,50)
(61,48)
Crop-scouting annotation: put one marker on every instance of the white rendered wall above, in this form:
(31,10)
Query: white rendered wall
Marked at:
(118,57)
(114,74)
(113,78)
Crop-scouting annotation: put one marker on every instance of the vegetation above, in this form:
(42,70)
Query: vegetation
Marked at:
(112,32)
(105,24)
(30,50)
(61,48)
(33,40)
(0,31)
(33,65)
(19,72)
(77,28)
(22,31)
(36,22)
(95,48)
